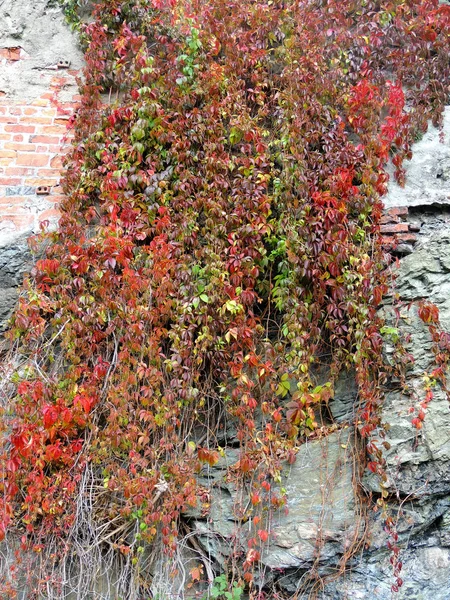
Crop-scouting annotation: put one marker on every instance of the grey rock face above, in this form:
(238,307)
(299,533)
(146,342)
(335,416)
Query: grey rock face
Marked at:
(343,406)
(15,260)
(426,575)
(322,520)
(427,173)
(419,460)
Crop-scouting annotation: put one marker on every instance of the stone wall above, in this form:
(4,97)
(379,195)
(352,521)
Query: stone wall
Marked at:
(330,521)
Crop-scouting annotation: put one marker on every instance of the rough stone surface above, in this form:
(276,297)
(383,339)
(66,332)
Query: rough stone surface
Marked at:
(426,576)
(427,173)
(323,518)
(15,260)
(343,406)
(418,461)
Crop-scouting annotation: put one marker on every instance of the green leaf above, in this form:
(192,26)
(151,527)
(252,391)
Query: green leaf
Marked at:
(235,135)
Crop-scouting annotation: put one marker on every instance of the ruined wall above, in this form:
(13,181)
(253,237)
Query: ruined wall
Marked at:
(39,63)
(328,516)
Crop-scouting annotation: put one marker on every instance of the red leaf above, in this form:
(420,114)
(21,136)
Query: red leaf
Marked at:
(50,414)
(263,535)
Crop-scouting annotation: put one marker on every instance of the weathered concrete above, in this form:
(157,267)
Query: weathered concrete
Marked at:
(38,28)
(427,173)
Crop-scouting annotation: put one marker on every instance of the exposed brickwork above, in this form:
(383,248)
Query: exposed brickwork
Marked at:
(33,141)
(398,235)
(394,228)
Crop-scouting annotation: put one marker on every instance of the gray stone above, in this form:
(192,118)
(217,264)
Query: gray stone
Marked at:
(322,506)
(15,260)
(418,461)
(20,190)
(425,575)
(343,406)
(322,518)
(404,249)
(427,173)
(444,529)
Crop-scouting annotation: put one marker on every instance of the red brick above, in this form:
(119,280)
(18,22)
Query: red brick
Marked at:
(52,129)
(8,119)
(398,211)
(389,219)
(32,160)
(64,111)
(50,173)
(51,214)
(11,202)
(30,111)
(394,228)
(21,221)
(37,120)
(388,242)
(39,181)
(10,181)
(45,139)
(56,162)
(41,101)
(20,146)
(19,171)
(15,110)
(12,54)
(55,199)
(58,81)
(2,110)
(20,128)
(5,136)
(7,154)
(18,138)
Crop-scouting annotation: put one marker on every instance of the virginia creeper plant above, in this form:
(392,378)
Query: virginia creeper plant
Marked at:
(218,243)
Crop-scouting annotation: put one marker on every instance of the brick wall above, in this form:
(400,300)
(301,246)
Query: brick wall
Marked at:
(398,235)
(33,140)
(39,63)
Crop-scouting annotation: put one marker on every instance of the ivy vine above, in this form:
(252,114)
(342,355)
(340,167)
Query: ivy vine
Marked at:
(219,241)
